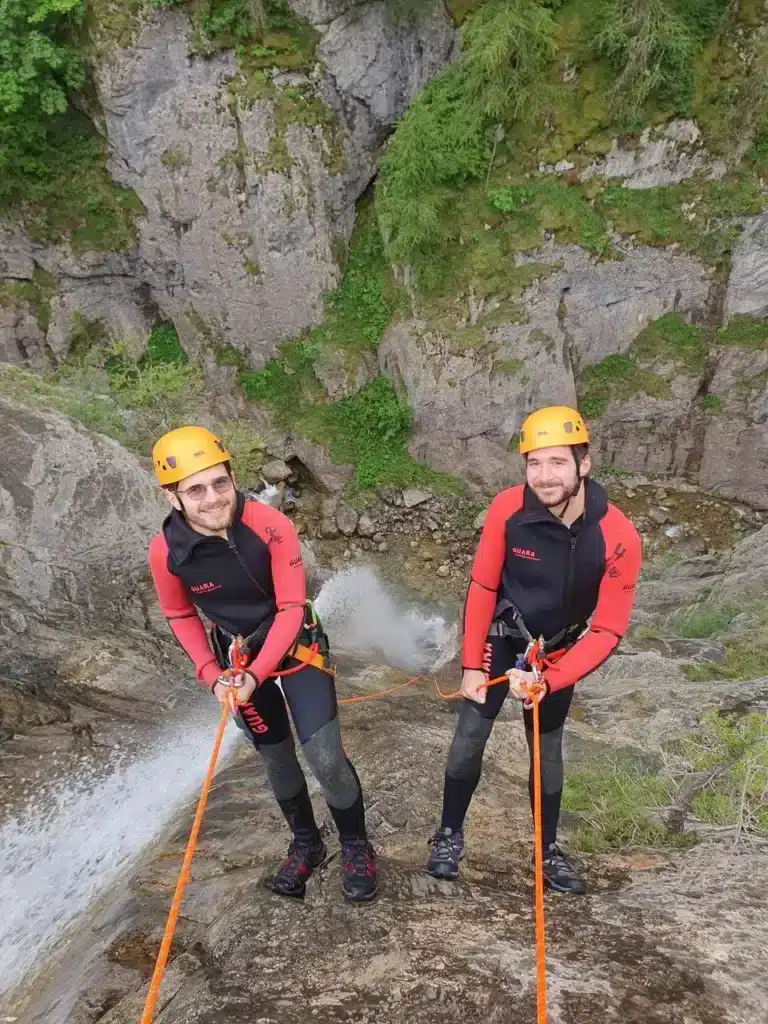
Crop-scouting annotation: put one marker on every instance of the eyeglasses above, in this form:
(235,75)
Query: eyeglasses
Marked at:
(198,491)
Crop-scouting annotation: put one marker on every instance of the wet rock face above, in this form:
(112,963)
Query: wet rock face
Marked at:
(470,396)
(239,243)
(437,951)
(748,282)
(97,286)
(247,202)
(77,514)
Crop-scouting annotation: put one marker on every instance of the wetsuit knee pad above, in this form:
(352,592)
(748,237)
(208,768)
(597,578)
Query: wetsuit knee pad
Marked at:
(465,758)
(283,769)
(551,745)
(325,756)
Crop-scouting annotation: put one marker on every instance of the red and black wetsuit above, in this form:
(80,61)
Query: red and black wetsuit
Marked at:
(253,582)
(557,577)
(240,583)
(560,580)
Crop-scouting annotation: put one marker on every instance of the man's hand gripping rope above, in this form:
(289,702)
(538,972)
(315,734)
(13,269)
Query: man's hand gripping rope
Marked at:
(236,685)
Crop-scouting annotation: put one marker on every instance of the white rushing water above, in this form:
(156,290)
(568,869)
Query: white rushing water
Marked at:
(72,843)
(361,617)
(56,855)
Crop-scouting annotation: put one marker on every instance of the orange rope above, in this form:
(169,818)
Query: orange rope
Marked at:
(381,693)
(535,694)
(239,659)
(170,927)
(445,696)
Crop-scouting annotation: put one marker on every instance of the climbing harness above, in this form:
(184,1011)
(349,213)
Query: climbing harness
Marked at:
(568,635)
(239,657)
(315,652)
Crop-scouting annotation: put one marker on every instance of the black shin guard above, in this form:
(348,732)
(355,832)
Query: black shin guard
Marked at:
(300,816)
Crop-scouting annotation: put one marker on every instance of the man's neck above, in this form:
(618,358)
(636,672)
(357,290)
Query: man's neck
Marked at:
(204,531)
(574,507)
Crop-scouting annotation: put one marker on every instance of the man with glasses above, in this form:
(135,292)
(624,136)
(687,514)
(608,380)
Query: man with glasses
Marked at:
(239,563)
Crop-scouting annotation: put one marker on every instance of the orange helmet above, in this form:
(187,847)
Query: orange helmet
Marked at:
(185,451)
(551,426)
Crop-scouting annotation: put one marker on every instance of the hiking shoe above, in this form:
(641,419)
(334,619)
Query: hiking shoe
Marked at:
(447,850)
(302,859)
(559,873)
(358,870)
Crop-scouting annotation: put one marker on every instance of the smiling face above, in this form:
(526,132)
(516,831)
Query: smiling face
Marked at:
(552,474)
(208,499)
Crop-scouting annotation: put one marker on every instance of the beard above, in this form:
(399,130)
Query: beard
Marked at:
(557,493)
(217,516)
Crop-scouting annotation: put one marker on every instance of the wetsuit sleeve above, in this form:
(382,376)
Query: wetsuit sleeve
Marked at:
(288,581)
(616,597)
(182,617)
(485,577)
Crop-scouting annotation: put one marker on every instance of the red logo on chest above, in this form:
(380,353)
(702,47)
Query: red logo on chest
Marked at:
(525,553)
(204,588)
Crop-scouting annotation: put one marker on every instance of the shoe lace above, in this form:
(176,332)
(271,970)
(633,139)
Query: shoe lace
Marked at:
(357,856)
(296,857)
(445,846)
(555,858)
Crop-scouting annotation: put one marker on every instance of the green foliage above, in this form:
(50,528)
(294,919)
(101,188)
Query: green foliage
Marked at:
(507,105)
(731,100)
(702,620)
(299,106)
(703,17)
(228,355)
(99,412)
(615,379)
(735,749)
(505,45)
(263,33)
(710,403)
(83,336)
(37,293)
(745,332)
(286,382)
(511,198)
(549,204)
(56,174)
(158,386)
(652,46)
(174,158)
(51,161)
(163,346)
(439,145)
(370,428)
(670,338)
(689,214)
(651,49)
(613,799)
(745,658)
(357,314)
(131,399)
(444,139)
(38,62)
(247,450)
